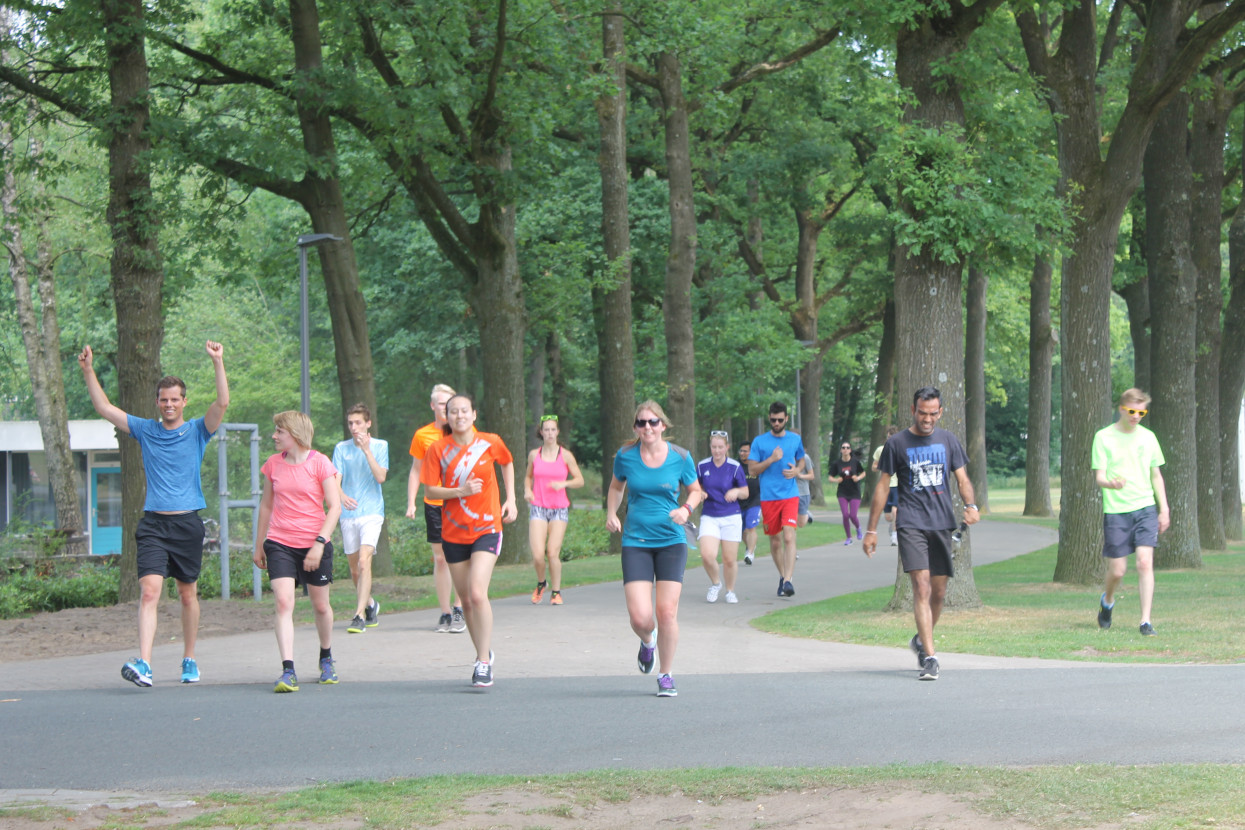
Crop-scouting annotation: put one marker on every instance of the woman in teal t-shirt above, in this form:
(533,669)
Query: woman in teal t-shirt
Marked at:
(654,544)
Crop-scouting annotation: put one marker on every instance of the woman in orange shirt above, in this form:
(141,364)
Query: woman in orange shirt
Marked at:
(459,469)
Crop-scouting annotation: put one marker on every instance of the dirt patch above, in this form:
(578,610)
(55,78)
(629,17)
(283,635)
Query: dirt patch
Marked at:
(841,809)
(76,631)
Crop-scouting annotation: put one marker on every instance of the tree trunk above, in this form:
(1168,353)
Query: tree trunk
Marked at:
(612,306)
(804,321)
(536,389)
(1209,127)
(1041,361)
(975,386)
(1173,325)
(321,196)
(1232,376)
(884,409)
(136,272)
(681,260)
(41,335)
(1136,296)
(929,324)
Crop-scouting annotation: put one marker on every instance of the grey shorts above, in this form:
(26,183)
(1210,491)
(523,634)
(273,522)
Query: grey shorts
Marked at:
(664,564)
(549,514)
(1123,533)
(802,508)
(925,550)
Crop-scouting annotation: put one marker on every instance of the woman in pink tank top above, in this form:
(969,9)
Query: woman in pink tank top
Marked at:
(551,471)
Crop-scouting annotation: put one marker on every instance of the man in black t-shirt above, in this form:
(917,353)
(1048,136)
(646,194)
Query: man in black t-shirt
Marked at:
(922,456)
(750,506)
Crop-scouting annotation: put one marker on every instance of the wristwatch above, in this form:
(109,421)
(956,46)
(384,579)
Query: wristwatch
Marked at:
(970,507)
(322,540)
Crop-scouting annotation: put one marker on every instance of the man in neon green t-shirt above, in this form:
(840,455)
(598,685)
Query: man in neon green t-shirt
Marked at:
(1126,458)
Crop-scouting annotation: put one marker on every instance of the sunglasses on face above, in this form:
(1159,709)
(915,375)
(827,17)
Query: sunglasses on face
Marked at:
(777,420)
(641,423)
(1142,412)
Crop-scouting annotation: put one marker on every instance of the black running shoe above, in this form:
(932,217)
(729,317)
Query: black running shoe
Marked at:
(1104,614)
(918,650)
(356,625)
(788,590)
(371,615)
(1147,630)
(647,655)
(929,669)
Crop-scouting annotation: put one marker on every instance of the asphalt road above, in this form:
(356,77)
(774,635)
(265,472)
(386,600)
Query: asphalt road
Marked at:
(568,697)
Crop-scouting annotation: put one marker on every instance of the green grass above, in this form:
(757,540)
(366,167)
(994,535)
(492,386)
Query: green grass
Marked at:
(1024,614)
(1143,798)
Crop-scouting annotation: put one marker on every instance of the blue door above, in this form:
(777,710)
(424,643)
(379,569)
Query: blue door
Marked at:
(105,510)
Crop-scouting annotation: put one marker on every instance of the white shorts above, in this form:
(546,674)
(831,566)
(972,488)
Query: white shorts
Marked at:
(726,528)
(363,530)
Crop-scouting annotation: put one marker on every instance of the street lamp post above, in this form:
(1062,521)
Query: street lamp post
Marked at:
(307,240)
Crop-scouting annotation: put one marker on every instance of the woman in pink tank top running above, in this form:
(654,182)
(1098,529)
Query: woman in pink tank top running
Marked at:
(551,471)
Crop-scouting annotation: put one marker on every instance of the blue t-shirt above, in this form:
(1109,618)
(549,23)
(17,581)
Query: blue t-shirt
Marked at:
(774,486)
(652,492)
(172,459)
(357,479)
(716,481)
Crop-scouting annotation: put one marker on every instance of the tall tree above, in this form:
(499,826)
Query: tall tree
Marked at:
(1099,187)
(1232,368)
(1041,363)
(40,326)
(975,384)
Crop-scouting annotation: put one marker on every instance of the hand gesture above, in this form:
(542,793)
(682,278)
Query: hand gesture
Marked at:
(509,512)
(86,359)
(412,511)
(363,440)
(776,454)
(789,471)
(215,350)
(312,559)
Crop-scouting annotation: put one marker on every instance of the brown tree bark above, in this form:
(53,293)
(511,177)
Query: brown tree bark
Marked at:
(136,270)
(681,257)
(804,324)
(1041,363)
(975,385)
(612,305)
(1099,188)
(885,410)
(1232,375)
(928,309)
(40,330)
(1207,135)
(1136,296)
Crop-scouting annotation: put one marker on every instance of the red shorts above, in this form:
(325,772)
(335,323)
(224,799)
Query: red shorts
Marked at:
(780,514)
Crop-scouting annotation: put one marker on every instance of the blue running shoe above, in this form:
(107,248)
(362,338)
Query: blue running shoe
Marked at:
(328,675)
(288,682)
(190,670)
(137,671)
(646,656)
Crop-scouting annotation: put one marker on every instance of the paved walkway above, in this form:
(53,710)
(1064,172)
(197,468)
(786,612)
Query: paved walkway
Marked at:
(568,697)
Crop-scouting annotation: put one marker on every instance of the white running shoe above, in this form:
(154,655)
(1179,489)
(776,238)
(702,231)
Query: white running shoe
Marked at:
(712,594)
(731,599)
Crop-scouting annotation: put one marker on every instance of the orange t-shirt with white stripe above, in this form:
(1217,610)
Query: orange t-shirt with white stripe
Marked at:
(450,464)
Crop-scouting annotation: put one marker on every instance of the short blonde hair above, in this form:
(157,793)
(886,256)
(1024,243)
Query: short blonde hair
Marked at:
(1134,395)
(297,424)
(655,408)
(443,389)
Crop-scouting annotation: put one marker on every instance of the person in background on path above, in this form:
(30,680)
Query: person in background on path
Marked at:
(775,459)
(923,456)
(750,506)
(803,476)
(650,471)
(1126,458)
(363,462)
(451,615)
(722,478)
(292,538)
(847,471)
(892,502)
(170,534)
(459,469)
(551,471)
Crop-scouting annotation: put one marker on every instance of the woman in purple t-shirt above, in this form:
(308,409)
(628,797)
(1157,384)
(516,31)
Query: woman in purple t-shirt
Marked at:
(721,521)
(551,471)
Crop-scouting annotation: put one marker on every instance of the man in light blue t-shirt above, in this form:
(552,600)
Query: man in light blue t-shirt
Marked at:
(170,534)
(775,460)
(363,465)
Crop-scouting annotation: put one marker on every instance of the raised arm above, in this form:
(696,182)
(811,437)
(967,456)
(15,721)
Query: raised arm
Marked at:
(112,414)
(216,412)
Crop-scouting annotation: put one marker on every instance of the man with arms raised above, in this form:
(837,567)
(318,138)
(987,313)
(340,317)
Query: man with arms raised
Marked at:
(170,534)
(427,435)
(922,456)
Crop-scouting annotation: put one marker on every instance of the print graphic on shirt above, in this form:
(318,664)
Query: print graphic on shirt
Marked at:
(463,462)
(927,466)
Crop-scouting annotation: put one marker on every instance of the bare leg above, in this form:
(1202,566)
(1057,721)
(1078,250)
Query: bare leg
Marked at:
(639,596)
(150,588)
(441,578)
(788,551)
(709,558)
(471,581)
(730,565)
(553,549)
(1145,580)
(283,594)
(1116,568)
(361,573)
(537,539)
(188,592)
(319,595)
(668,593)
(928,593)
